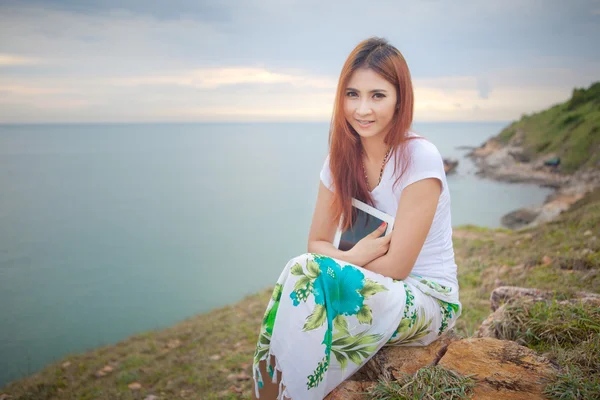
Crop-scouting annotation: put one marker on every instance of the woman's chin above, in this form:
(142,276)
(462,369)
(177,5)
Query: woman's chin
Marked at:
(366,133)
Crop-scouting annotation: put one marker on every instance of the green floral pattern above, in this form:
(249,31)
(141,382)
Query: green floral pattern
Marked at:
(264,338)
(340,301)
(338,292)
(446,310)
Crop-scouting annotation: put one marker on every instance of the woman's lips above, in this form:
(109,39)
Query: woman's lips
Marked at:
(364,123)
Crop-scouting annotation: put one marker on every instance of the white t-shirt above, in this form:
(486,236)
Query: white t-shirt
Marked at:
(436,259)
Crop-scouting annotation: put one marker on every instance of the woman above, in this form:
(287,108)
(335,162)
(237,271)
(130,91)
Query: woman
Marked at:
(332,310)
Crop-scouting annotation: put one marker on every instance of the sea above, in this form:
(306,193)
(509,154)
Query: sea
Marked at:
(108,230)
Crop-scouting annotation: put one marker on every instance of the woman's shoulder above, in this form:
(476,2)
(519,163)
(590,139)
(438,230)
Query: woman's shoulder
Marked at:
(421,151)
(420,145)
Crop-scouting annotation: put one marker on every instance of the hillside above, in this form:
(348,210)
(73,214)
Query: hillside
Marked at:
(570,130)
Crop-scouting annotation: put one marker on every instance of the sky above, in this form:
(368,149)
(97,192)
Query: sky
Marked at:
(279,60)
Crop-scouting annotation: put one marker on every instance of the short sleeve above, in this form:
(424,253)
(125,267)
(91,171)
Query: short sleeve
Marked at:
(426,162)
(326,175)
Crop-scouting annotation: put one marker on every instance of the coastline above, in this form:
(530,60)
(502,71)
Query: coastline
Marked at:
(510,163)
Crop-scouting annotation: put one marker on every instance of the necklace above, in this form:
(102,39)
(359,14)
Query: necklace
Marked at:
(380,172)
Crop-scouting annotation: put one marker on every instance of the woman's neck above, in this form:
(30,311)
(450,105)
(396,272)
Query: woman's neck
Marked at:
(374,148)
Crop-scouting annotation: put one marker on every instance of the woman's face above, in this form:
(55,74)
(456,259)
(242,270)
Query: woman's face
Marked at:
(369,103)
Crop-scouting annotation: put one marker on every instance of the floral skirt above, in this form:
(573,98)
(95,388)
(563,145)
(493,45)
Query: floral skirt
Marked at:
(326,319)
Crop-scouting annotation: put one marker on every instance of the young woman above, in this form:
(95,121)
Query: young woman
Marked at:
(332,310)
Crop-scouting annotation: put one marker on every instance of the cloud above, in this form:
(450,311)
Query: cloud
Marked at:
(133,60)
(210,78)
(16,60)
(17,90)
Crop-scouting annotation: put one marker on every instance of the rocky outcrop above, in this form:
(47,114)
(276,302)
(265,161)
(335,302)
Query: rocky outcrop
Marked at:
(511,163)
(450,165)
(501,369)
(520,218)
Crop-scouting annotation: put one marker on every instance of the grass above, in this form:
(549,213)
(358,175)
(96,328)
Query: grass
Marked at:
(516,258)
(429,383)
(570,130)
(170,363)
(541,325)
(568,334)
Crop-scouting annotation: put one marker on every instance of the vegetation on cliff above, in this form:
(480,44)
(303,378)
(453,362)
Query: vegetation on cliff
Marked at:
(570,130)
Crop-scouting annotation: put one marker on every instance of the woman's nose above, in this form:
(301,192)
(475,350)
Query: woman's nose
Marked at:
(364,108)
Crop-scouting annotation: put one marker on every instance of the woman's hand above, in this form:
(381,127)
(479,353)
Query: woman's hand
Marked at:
(370,247)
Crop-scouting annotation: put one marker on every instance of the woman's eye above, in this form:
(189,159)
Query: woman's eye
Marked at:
(379,95)
(351,94)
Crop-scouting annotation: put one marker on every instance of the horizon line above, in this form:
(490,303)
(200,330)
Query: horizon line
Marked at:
(227,122)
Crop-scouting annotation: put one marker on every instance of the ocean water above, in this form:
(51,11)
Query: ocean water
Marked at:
(109,230)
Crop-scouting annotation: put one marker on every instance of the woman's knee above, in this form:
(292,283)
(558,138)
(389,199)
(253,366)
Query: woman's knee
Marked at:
(302,259)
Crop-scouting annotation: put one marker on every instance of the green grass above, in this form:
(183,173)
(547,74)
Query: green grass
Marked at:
(570,130)
(429,383)
(568,334)
(544,325)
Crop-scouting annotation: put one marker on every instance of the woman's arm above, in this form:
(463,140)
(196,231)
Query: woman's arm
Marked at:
(322,232)
(323,227)
(416,210)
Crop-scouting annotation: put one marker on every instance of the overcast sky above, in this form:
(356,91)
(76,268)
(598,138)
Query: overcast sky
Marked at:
(279,60)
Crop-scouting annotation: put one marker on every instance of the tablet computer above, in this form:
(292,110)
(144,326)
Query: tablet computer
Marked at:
(367,220)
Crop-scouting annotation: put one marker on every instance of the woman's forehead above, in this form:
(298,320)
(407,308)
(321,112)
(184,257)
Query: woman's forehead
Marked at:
(365,79)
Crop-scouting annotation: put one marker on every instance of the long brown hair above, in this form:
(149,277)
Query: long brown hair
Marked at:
(345,147)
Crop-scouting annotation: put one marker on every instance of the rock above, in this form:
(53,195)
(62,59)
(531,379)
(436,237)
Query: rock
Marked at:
(502,369)
(151,397)
(107,369)
(587,233)
(487,327)
(173,344)
(235,389)
(450,165)
(99,374)
(466,147)
(135,386)
(489,147)
(519,218)
(391,361)
(350,390)
(66,364)
(546,260)
(214,357)
(520,155)
(504,293)
(4,396)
